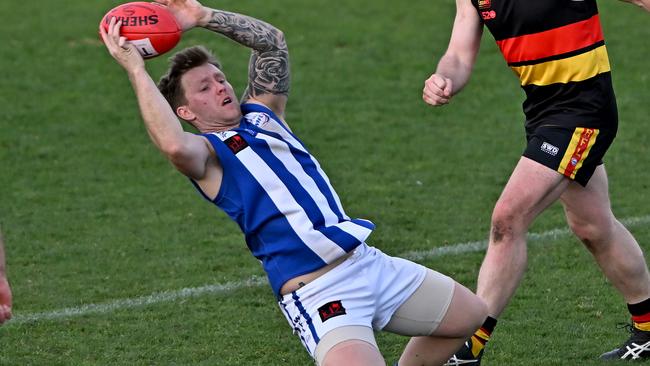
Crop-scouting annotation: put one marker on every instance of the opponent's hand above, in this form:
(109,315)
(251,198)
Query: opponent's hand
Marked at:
(5,300)
(188,13)
(437,90)
(644,4)
(122,51)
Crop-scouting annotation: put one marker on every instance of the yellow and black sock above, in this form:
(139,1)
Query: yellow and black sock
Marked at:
(640,315)
(482,335)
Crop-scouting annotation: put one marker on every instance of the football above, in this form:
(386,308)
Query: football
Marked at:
(151,28)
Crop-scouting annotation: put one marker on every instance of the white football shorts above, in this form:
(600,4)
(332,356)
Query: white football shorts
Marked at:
(365,290)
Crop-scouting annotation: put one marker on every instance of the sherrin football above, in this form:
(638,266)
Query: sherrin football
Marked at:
(151,28)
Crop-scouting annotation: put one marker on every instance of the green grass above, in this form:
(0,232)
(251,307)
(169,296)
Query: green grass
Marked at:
(92,213)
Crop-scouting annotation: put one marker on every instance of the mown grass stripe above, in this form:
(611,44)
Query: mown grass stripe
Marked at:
(170,296)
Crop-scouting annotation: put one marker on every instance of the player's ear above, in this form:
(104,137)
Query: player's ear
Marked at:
(185,113)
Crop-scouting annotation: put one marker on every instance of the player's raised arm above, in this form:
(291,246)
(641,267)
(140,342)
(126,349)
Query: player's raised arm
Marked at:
(268,69)
(268,77)
(645,4)
(5,290)
(188,152)
(455,66)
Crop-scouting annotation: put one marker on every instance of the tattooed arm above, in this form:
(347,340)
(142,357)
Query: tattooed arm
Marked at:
(268,75)
(268,69)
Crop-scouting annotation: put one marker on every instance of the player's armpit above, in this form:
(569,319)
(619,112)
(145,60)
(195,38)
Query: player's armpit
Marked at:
(192,155)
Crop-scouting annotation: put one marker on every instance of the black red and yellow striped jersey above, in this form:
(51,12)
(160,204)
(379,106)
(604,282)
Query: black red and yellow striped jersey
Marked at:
(557,49)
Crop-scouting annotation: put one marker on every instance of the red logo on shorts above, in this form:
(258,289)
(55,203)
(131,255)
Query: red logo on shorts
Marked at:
(331,310)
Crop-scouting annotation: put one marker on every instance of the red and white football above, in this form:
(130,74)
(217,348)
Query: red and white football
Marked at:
(151,28)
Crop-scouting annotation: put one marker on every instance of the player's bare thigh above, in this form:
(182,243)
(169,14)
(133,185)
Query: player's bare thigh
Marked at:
(350,345)
(589,204)
(532,187)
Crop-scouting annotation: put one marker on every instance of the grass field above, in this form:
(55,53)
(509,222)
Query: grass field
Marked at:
(102,234)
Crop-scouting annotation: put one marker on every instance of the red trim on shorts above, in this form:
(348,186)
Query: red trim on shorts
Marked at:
(583,145)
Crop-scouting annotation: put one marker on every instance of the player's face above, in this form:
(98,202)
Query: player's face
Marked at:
(211,100)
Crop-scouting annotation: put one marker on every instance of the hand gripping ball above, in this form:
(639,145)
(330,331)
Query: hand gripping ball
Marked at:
(150,27)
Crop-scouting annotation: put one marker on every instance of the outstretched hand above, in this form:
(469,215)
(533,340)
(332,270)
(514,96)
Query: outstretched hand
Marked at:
(188,13)
(437,90)
(5,300)
(122,51)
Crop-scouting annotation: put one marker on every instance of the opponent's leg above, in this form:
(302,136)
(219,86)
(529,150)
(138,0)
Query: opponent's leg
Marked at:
(532,187)
(619,256)
(590,217)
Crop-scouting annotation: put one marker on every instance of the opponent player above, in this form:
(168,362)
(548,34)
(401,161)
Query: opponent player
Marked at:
(332,287)
(5,290)
(557,50)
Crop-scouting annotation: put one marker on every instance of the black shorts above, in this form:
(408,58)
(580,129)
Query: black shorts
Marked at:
(573,152)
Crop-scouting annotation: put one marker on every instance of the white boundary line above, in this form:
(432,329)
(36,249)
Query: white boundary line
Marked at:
(155,298)
(256,281)
(476,246)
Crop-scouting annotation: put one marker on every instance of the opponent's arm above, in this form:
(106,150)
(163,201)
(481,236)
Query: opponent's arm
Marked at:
(268,76)
(188,152)
(645,4)
(5,290)
(455,66)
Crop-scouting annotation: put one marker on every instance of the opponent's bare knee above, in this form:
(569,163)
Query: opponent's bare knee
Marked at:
(500,232)
(503,224)
(593,235)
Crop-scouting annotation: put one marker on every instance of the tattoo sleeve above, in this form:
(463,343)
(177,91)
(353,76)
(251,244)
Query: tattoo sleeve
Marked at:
(268,69)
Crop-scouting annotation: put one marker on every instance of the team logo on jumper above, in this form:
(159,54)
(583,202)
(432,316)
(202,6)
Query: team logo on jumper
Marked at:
(550,149)
(257,119)
(331,310)
(223,135)
(484,4)
(236,143)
